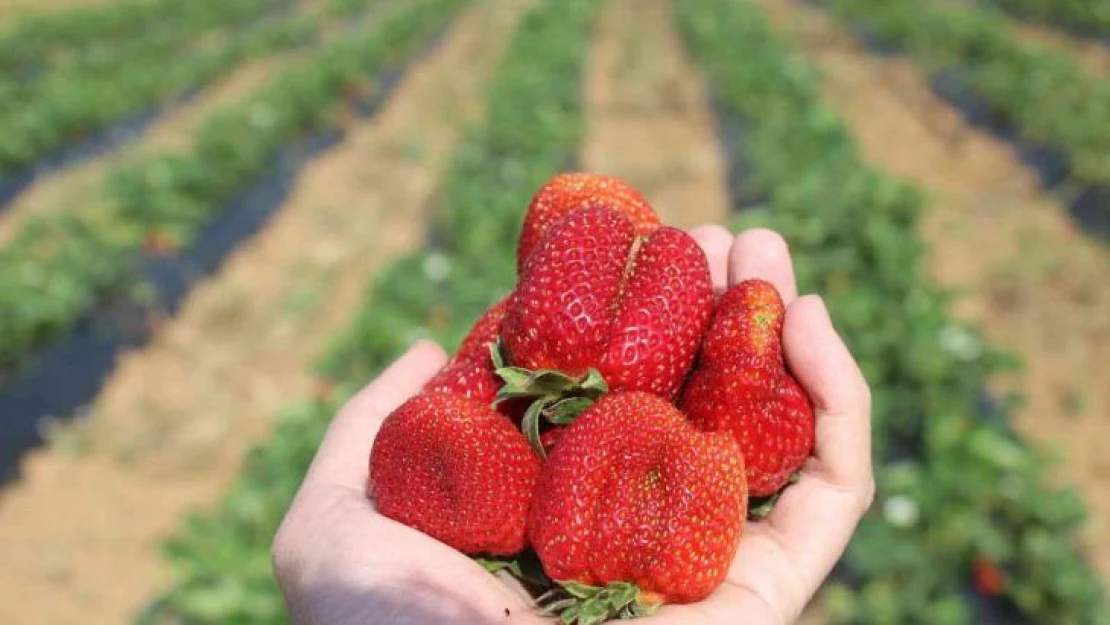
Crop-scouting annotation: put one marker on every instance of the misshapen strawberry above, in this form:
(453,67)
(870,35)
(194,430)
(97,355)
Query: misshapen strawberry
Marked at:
(632,493)
(471,371)
(458,471)
(566,193)
(595,296)
(741,385)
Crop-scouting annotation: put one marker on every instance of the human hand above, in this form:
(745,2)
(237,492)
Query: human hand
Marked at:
(340,562)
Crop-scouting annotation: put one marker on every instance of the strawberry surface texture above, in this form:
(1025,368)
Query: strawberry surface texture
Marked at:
(742,386)
(455,469)
(595,295)
(632,492)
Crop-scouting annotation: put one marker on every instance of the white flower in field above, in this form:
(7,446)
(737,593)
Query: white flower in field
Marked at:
(960,342)
(436,267)
(900,511)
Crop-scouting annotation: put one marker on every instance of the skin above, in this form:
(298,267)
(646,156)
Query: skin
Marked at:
(338,561)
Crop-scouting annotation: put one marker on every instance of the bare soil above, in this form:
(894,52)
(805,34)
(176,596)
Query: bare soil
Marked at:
(648,114)
(166,436)
(1032,280)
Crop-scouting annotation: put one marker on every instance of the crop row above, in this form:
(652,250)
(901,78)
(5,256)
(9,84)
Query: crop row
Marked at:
(70,104)
(61,265)
(1044,95)
(41,41)
(103,59)
(1086,17)
(956,489)
(534,126)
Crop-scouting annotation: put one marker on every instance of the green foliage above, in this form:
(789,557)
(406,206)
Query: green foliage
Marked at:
(1081,16)
(59,265)
(47,40)
(47,111)
(953,485)
(1043,94)
(222,559)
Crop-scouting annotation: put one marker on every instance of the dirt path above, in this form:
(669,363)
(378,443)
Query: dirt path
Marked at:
(168,432)
(1033,281)
(79,187)
(648,116)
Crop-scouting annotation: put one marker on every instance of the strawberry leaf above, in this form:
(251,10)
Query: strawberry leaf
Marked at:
(592,605)
(564,411)
(760,507)
(530,425)
(494,565)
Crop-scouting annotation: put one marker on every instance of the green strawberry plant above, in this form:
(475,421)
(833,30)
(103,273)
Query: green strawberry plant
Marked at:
(1086,17)
(42,115)
(1044,95)
(59,266)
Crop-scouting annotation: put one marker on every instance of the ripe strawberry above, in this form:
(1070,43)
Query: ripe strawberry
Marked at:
(549,438)
(741,385)
(633,493)
(470,372)
(456,470)
(593,296)
(988,578)
(566,193)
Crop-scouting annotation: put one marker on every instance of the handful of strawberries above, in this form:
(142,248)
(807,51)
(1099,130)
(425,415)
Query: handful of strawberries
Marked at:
(610,416)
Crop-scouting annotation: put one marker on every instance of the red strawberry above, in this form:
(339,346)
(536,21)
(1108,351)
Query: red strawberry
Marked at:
(633,493)
(741,385)
(549,438)
(470,372)
(566,193)
(592,296)
(456,470)
(988,577)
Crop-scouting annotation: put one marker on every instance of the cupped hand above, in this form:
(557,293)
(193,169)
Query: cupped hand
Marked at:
(338,561)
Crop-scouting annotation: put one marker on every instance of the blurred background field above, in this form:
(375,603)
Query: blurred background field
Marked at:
(220,217)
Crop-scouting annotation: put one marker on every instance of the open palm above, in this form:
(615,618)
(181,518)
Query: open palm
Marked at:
(340,562)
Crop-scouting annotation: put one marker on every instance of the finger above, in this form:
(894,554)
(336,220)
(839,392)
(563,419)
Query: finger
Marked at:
(841,399)
(343,455)
(716,242)
(764,254)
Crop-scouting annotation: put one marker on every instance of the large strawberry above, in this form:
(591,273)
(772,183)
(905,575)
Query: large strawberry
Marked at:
(471,371)
(458,471)
(566,193)
(741,385)
(595,296)
(636,500)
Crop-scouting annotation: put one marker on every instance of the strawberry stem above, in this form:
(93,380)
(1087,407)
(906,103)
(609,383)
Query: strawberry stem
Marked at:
(760,508)
(581,604)
(555,396)
(494,565)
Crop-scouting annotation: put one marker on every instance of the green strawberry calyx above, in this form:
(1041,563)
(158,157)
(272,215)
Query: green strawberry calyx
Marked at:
(495,565)
(582,604)
(555,396)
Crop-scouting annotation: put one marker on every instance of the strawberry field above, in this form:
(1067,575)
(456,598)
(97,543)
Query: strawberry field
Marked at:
(219,219)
